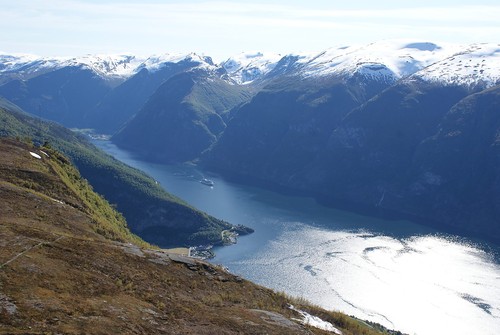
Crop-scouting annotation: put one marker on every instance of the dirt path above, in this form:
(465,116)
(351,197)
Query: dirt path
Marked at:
(30,248)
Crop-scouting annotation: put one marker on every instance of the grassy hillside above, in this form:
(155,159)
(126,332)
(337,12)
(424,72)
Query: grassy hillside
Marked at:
(151,212)
(64,268)
(53,177)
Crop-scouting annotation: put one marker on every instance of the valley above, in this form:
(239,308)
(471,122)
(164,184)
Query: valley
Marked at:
(364,178)
(69,265)
(386,271)
(380,128)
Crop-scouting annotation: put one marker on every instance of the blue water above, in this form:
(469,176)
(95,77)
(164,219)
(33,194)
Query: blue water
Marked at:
(403,275)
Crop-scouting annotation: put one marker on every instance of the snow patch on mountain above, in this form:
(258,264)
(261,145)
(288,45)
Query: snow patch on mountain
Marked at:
(387,60)
(118,67)
(27,65)
(245,68)
(157,62)
(107,66)
(477,64)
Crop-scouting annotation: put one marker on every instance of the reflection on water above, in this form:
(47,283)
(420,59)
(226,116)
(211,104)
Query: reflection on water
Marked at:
(422,285)
(402,275)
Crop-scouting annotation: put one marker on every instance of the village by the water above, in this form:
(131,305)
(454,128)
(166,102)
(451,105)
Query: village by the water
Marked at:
(228,237)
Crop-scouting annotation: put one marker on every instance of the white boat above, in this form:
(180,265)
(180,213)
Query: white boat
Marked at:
(207,182)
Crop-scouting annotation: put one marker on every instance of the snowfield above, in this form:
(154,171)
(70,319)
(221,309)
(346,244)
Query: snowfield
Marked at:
(245,68)
(475,64)
(387,61)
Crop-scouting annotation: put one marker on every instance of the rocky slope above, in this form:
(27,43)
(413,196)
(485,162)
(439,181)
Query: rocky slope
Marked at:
(69,266)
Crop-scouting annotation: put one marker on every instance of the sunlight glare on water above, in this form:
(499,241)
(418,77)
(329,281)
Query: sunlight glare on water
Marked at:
(403,275)
(421,285)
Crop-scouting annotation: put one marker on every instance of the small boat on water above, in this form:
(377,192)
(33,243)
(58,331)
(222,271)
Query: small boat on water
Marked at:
(207,182)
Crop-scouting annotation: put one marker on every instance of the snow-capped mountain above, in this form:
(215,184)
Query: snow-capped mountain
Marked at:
(388,60)
(157,62)
(477,64)
(119,67)
(106,66)
(393,60)
(26,66)
(245,68)
(117,86)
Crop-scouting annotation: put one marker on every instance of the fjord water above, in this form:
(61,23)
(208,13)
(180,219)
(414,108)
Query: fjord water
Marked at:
(403,275)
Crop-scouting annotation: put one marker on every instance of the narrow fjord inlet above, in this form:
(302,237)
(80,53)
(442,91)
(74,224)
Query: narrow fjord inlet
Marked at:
(380,270)
(206,167)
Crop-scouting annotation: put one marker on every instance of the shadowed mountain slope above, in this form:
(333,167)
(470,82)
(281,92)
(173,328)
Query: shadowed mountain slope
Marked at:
(150,211)
(184,117)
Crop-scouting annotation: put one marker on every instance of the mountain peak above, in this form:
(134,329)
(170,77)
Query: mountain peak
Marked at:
(389,60)
(106,65)
(385,59)
(246,67)
(156,62)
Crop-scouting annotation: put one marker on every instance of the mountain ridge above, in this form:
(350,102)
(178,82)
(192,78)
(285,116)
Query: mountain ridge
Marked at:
(401,58)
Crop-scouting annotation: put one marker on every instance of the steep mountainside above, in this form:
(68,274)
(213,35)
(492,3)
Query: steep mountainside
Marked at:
(63,95)
(151,212)
(98,92)
(459,166)
(383,150)
(125,100)
(392,154)
(65,268)
(276,135)
(184,116)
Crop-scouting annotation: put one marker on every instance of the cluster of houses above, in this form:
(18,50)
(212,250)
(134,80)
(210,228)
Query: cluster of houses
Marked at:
(201,252)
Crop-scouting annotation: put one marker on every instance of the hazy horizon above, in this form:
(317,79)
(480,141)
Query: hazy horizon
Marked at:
(222,29)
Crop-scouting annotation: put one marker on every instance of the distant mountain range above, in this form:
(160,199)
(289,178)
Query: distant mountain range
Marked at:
(390,128)
(104,91)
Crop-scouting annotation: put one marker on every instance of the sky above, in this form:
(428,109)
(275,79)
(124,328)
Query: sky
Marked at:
(224,28)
